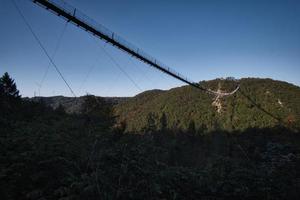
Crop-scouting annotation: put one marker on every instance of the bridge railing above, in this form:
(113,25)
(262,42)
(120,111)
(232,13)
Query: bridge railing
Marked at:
(105,31)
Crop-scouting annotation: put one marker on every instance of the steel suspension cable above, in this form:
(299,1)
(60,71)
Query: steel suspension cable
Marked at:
(114,79)
(120,68)
(53,54)
(42,46)
(79,19)
(142,72)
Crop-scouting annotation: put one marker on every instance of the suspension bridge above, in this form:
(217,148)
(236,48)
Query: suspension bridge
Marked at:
(75,16)
(79,19)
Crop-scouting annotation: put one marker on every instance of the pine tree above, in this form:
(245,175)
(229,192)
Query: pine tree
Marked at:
(163,122)
(192,127)
(151,126)
(98,111)
(8,86)
(60,110)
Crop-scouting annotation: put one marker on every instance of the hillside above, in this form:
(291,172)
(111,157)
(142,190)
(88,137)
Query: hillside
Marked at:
(71,104)
(47,153)
(259,103)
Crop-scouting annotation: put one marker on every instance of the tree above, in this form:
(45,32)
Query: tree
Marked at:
(163,122)
(60,110)
(98,111)
(8,86)
(192,127)
(120,127)
(202,129)
(151,126)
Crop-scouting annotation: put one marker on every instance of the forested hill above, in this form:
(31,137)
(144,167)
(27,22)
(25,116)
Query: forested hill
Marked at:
(72,104)
(259,103)
(47,153)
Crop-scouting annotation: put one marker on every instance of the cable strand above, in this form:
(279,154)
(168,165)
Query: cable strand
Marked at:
(120,68)
(42,46)
(53,55)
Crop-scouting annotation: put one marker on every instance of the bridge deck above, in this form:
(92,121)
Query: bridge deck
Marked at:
(73,15)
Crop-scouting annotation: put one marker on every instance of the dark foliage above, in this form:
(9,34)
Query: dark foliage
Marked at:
(8,87)
(49,154)
(259,103)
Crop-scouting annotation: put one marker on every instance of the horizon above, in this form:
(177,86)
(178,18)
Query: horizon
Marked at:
(156,89)
(239,39)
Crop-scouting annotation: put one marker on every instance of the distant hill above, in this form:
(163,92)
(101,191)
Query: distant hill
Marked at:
(50,154)
(259,103)
(72,104)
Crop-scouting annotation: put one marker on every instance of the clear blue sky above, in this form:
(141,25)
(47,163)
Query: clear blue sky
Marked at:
(202,39)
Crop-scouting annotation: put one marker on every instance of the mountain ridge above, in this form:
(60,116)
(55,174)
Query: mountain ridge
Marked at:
(259,103)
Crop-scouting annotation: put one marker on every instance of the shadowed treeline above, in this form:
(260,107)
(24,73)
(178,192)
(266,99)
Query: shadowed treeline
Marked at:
(49,154)
(259,103)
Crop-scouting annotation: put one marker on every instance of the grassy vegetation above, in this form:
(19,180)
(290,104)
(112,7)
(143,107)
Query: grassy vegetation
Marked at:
(49,154)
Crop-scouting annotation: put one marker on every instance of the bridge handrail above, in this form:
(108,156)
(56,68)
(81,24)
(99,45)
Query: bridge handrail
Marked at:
(78,18)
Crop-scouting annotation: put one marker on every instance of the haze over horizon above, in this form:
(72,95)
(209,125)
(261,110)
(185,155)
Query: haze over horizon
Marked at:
(201,39)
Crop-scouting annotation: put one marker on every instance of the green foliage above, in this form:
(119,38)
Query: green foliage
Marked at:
(98,111)
(8,87)
(192,128)
(151,123)
(50,154)
(163,122)
(259,103)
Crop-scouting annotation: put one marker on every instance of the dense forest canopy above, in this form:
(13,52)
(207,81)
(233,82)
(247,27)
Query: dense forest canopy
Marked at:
(98,153)
(260,103)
